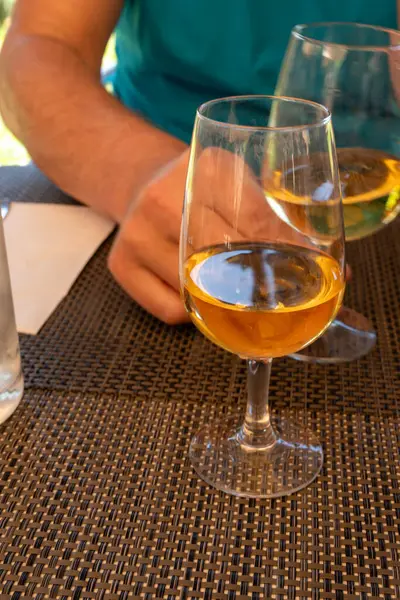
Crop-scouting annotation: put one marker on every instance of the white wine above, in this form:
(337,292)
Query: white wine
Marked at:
(370,187)
(370,182)
(262,300)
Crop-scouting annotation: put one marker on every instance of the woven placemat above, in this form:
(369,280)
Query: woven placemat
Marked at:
(98,498)
(26,183)
(99,340)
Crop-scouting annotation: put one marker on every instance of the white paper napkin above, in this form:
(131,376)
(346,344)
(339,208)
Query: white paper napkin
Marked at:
(48,245)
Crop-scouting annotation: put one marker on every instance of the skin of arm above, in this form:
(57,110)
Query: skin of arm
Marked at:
(91,146)
(51,98)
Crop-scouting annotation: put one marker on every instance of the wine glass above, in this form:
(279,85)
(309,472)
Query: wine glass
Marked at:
(253,284)
(353,70)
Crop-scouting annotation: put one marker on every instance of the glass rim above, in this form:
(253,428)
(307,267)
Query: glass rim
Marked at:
(322,122)
(297,31)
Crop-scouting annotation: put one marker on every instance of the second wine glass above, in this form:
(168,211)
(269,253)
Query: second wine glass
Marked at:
(253,284)
(352,69)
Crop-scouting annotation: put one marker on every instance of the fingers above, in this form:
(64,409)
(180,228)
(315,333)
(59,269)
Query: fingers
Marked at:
(148,247)
(208,228)
(156,296)
(161,202)
(144,258)
(147,288)
(223,185)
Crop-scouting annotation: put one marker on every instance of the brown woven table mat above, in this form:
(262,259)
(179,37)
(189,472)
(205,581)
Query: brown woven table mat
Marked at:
(98,498)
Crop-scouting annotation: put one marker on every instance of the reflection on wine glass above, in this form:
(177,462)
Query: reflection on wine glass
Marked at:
(352,69)
(255,285)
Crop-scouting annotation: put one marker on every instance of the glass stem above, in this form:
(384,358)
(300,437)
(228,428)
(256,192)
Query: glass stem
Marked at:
(257,431)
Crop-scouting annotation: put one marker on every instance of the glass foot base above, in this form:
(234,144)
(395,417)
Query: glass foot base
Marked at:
(349,337)
(289,464)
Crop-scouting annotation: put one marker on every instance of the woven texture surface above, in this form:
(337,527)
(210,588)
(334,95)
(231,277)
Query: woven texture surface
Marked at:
(97,496)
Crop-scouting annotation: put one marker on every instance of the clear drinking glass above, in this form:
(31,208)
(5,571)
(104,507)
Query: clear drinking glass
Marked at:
(353,70)
(11,379)
(255,285)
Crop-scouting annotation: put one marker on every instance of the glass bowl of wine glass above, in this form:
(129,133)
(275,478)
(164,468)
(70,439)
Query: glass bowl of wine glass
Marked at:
(253,284)
(353,70)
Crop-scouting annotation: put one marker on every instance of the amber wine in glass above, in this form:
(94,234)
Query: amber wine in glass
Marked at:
(353,70)
(370,181)
(231,299)
(255,285)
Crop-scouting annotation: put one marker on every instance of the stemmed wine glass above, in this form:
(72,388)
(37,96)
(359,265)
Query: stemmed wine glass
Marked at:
(255,285)
(353,70)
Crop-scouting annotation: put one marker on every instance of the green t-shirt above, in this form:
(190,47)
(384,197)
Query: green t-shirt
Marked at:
(173,55)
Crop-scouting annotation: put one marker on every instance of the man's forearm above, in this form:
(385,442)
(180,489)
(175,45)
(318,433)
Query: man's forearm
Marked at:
(85,140)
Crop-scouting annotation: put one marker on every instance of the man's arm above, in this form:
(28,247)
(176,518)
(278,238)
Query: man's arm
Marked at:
(52,99)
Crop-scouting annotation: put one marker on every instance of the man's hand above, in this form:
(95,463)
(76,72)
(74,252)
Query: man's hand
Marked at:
(227,204)
(144,258)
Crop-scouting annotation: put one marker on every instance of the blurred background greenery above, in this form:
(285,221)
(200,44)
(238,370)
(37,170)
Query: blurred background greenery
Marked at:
(11,151)
(5,8)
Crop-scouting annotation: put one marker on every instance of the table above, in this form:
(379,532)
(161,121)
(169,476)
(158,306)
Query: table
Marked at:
(98,498)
